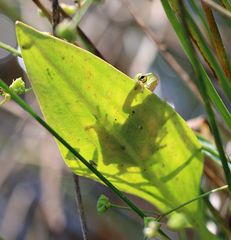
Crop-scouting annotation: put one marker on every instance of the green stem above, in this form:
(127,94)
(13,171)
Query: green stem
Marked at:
(10,49)
(28,109)
(197,10)
(128,208)
(210,150)
(207,146)
(192,200)
(78,16)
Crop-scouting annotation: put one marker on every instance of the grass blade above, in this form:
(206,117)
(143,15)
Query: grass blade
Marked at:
(214,96)
(183,28)
(208,55)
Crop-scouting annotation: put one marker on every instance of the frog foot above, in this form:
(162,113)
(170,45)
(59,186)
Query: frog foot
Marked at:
(6,98)
(139,86)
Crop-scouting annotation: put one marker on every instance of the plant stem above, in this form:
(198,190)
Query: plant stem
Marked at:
(217,7)
(89,45)
(203,91)
(28,109)
(208,147)
(10,49)
(55,14)
(43,8)
(80,207)
(128,208)
(217,41)
(192,200)
(82,35)
(83,222)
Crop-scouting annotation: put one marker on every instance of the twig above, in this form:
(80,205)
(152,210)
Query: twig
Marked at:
(46,12)
(56,18)
(163,50)
(217,7)
(80,207)
(80,31)
(83,36)
(55,14)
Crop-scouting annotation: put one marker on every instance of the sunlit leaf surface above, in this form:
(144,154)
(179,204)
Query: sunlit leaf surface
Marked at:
(134,138)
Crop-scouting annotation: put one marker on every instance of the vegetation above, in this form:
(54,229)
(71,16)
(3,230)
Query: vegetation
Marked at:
(114,131)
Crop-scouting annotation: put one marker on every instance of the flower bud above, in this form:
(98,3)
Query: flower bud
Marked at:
(18,86)
(103,204)
(151,227)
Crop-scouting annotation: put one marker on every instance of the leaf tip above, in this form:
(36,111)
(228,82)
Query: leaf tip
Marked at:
(19,24)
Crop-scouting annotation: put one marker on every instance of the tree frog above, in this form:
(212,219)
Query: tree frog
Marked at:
(148,80)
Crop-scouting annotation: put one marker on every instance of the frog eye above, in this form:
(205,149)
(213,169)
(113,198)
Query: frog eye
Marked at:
(142,78)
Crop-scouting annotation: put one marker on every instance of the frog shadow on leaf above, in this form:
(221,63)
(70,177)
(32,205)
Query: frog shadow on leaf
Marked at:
(134,142)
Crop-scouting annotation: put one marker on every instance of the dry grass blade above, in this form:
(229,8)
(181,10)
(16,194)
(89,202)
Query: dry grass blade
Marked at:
(217,7)
(217,41)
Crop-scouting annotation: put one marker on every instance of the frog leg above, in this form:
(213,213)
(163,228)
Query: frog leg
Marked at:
(139,85)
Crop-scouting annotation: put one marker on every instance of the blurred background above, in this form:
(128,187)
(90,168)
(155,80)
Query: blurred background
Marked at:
(37,196)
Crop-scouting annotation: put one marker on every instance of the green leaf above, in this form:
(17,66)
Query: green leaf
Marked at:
(195,5)
(133,138)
